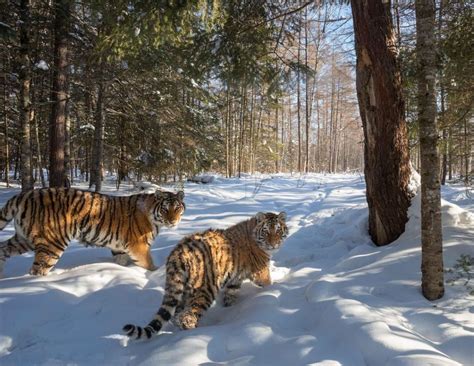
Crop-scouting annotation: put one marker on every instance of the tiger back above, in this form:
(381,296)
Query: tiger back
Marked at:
(46,220)
(204,263)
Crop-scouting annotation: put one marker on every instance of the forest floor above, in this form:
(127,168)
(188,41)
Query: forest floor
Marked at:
(336,298)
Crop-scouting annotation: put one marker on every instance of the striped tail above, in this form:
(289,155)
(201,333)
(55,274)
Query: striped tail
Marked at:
(173,295)
(8,212)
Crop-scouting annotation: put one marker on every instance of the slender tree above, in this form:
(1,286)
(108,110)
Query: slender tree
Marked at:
(25,102)
(57,173)
(6,131)
(431,231)
(298,100)
(381,109)
(98,145)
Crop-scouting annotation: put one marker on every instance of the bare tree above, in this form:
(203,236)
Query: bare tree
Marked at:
(381,108)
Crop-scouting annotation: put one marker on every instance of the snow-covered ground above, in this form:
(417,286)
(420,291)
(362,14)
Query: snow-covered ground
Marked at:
(336,298)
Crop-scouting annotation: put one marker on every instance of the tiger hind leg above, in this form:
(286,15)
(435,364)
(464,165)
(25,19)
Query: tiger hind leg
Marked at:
(231,292)
(190,316)
(46,256)
(16,245)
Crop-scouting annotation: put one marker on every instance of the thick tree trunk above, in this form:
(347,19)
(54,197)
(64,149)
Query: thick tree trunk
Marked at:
(25,102)
(431,231)
(57,173)
(381,108)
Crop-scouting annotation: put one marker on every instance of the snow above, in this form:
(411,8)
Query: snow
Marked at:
(87,126)
(42,65)
(336,299)
(194,83)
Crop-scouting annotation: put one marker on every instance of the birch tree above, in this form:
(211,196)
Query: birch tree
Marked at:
(432,281)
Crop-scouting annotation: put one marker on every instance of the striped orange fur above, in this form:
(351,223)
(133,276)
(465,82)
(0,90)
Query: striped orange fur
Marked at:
(204,263)
(46,220)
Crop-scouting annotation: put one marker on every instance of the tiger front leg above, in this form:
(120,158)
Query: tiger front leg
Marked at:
(231,292)
(141,256)
(262,277)
(46,257)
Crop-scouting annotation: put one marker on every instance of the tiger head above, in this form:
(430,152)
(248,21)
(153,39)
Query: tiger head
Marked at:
(270,230)
(169,208)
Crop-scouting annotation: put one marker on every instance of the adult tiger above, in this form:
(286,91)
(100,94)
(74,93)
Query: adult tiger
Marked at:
(204,263)
(46,220)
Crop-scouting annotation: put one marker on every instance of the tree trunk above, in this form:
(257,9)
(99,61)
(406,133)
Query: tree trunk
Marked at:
(299,102)
(57,173)
(241,127)
(7,144)
(67,149)
(25,102)
(276,137)
(39,158)
(467,153)
(432,280)
(98,146)
(307,99)
(381,107)
(251,130)
(227,133)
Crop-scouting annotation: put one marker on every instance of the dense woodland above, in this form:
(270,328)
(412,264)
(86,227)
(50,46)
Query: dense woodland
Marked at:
(165,90)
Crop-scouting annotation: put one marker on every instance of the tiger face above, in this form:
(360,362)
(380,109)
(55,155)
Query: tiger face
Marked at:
(270,230)
(169,208)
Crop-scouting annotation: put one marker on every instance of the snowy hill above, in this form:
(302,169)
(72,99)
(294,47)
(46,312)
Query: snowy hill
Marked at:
(336,299)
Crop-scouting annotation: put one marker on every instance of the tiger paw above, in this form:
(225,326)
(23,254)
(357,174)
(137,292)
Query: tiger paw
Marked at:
(229,300)
(39,271)
(187,320)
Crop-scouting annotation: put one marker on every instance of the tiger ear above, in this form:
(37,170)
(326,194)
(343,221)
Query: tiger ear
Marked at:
(282,216)
(260,216)
(180,195)
(159,193)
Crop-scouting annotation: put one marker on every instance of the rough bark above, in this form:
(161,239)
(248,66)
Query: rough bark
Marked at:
(57,173)
(381,108)
(432,279)
(25,102)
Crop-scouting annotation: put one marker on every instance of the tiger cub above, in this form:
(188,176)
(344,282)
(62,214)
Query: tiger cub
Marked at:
(46,220)
(203,263)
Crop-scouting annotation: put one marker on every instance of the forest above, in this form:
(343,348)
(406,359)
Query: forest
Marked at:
(353,120)
(161,93)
